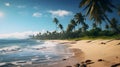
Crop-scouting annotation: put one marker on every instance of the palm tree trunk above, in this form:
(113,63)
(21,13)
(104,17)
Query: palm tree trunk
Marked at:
(100,26)
(56,27)
(117,30)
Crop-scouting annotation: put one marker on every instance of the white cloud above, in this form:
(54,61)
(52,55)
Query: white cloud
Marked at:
(7,4)
(21,6)
(37,14)
(19,35)
(60,13)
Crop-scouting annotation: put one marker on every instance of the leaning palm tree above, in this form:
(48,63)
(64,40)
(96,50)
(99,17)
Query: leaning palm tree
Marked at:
(55,20)
(97,9)
(79,19)
(60,26)
(70,28)
(73,23)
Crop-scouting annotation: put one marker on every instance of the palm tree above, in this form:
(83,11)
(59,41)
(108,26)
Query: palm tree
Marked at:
(72,22)
(60,26)
(97,9)
(107,27)
(70,27)
(114,23)
(55,20)
(119,10)
(84,27)
(94,26)
(79,18)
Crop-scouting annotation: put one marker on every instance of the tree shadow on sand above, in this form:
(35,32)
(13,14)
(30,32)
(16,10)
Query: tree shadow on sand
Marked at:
(115,65)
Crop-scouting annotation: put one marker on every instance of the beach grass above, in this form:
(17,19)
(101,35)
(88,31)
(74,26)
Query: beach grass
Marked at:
(96,38)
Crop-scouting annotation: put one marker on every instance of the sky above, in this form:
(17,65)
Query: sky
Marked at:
(25,17)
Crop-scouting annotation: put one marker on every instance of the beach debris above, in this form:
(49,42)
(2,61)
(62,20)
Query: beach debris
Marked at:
(88,61)
(115,65)
(83,64)
(77,65)
(103,43)
(117,57)
(64,59)
(118,44)
(99,60)
(89,41)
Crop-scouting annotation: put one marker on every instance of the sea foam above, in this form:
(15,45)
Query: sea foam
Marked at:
(9,49)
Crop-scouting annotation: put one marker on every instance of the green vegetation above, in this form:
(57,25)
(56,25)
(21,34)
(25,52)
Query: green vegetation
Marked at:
(77,28)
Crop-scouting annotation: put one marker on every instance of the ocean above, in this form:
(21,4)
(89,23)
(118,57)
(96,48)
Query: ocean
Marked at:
(29,51)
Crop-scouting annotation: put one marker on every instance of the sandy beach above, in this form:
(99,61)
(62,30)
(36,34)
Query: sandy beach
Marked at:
(92,53)
(87,53)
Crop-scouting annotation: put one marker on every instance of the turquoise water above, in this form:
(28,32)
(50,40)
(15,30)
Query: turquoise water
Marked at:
(28,50)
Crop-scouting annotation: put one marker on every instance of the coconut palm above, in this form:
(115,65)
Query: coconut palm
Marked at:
(60,26)
(97,9)
(55,20)
(72,22)
(70,27)
(79,19)
(84,27)
(119,10)
(107,27)
(114,23)
(94,26)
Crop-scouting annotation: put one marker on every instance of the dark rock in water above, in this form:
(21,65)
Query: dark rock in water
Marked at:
(8,65)
(115,65)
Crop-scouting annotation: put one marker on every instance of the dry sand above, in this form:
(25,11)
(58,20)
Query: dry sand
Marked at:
(97,53)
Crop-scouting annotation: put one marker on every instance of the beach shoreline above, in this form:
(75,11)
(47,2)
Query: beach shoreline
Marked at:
(93,53)
(65,62)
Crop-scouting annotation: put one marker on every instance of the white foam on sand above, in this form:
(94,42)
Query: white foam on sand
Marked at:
(47,57)
(45,46)
(2,64)
(21,62)
(9,49)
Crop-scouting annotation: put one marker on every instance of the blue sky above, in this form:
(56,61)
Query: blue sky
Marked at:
(34,15)
(17,16)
